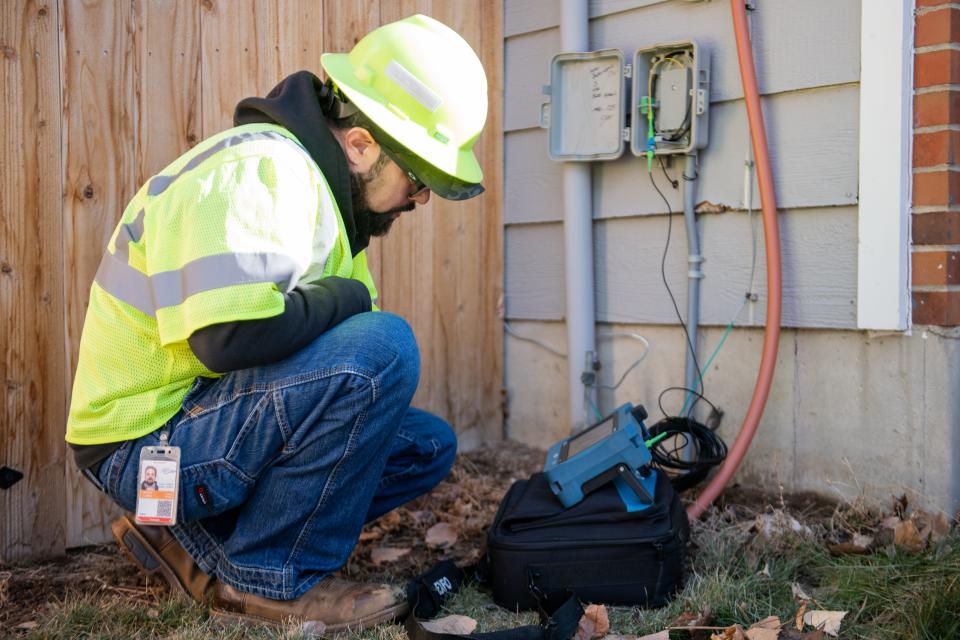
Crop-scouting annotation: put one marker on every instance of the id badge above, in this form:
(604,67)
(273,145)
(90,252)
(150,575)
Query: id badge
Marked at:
(158,484)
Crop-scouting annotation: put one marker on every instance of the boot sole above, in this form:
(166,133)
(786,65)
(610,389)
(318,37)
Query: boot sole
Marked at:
(141,553)
(309,628)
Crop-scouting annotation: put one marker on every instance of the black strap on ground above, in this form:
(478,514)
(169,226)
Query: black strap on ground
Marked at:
(427,592)
(560,624)
(559,614)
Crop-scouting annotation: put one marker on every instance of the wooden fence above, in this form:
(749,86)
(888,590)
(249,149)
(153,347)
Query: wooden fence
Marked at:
(98,96)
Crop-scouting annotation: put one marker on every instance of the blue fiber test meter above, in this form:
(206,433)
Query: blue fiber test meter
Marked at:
(611,450)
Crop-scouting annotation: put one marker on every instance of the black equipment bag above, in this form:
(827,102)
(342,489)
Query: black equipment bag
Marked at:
(605,554)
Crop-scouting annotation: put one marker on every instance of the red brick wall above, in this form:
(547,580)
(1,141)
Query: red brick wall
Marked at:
(936,164)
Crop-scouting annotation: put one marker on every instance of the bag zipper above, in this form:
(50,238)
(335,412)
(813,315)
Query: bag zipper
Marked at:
(661,556)
(658,541)
(517,528)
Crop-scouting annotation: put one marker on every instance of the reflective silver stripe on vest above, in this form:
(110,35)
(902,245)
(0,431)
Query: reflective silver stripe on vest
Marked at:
(170,288)
(159,184)
(129,232)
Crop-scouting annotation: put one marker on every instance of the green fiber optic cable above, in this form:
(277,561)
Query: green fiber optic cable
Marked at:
(706,366)
(655,439)
(650,136)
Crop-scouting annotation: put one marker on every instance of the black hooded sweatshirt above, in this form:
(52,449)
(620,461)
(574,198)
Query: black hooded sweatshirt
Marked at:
(298,104)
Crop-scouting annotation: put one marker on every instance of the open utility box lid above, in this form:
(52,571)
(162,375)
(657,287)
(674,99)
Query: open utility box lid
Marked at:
(586,109)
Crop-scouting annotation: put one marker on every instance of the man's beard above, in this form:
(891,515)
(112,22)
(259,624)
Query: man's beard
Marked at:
(372,223)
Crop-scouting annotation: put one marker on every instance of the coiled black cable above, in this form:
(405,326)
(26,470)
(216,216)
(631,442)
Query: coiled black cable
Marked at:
(709,449)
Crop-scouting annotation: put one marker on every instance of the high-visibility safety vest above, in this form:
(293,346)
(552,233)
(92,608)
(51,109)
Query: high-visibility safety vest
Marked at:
(217,236)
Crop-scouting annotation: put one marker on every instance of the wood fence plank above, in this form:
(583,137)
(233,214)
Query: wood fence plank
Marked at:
(32,522)
(166,50)
(410,271)
(442,262)
(100,164)
(168,83)
(248,47)
(491,265)
(344,24)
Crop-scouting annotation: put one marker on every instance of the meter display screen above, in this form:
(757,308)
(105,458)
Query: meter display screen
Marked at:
(590,437)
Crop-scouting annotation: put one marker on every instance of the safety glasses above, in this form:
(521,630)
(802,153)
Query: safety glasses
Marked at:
(418,184)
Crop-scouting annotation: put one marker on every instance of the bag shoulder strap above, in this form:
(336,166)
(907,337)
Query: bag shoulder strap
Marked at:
(559,617)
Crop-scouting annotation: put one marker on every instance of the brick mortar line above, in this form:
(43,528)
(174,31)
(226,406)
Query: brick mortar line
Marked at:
(950,333)
(933,48)
(936,288)
(936,88)
(933,248)
(936,128)
(922,11)
(937,168)
(932,208)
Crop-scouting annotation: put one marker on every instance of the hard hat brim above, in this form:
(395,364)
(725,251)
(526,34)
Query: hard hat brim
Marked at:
(460,166)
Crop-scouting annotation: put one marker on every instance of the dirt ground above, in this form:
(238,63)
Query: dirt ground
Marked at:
(466,501)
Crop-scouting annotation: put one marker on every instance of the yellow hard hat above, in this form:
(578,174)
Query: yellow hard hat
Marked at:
(424,89)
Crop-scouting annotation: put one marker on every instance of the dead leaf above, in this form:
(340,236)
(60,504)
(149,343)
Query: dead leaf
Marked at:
(441,535)
(798,619)
(778,523)
(900,505)
(826,621)
(799,593)
(26,626)
(734,632)
(153,613)
(659,635)
(379,555)
(374,534)
(907,536)
(862,541)
(422,516)
(890,522)
(770,622)
(766,629)
(933,526)
(458,625)
(390,520)
(790,634)
(691,619)
(593,624)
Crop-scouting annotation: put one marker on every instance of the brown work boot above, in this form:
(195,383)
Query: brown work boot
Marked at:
(155,550)
(332,605)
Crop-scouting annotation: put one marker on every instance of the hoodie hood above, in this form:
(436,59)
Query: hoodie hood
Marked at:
(299,104)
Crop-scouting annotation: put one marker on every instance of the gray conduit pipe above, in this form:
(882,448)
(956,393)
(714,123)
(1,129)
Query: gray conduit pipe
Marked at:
(578,242)
(694,275)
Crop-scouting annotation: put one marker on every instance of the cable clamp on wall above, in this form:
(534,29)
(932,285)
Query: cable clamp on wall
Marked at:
(695,261)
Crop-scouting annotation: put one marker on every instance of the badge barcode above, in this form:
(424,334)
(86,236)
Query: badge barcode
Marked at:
(164,508)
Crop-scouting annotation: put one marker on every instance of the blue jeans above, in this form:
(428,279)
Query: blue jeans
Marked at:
(282,465)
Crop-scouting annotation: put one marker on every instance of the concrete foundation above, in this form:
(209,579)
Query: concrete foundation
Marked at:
(850,413)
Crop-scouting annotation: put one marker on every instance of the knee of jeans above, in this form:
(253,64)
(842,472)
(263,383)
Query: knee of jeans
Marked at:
(394,335)
(447,441)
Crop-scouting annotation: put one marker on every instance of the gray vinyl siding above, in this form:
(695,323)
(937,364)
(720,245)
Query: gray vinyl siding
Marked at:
(819,269)
(808,56)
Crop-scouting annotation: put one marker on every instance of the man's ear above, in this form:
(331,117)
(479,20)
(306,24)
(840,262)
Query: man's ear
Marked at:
(360,148)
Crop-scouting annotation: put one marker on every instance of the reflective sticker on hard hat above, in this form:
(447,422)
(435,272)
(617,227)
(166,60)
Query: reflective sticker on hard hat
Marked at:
(409,83)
